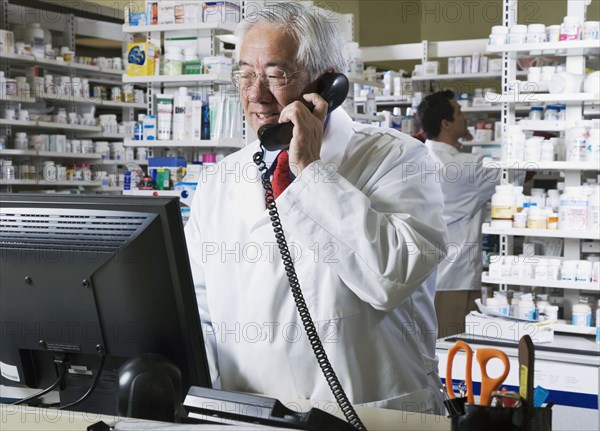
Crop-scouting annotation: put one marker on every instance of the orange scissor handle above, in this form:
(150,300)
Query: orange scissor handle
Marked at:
(489,384)
(460,345)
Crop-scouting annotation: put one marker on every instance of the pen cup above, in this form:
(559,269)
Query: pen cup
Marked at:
(477,418)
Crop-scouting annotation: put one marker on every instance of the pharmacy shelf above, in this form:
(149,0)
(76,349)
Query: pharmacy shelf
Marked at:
(543,125)
(480,143)
(385,100)
(542,97)
(225,26)
(49,154)
(558,284)
(45,183)
(547,233)
(540,166)
(492,108)
(17,153)
(78,100)
(107,162)
(58,64)
(111,189)
(49,125)
(364,82)
(206,79)
(366,117)
(462,76)
(57,155)
(572,329)
(570,47)
(222,143)
(107,136)
(17,99)
(185,196)
(111,104)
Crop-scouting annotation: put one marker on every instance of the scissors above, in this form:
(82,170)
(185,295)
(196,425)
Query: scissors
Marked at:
(488,384)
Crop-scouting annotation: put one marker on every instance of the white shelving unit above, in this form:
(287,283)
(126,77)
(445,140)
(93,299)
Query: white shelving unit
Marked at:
(218,143)
(225,26)
(544,233)
(574,52)
(70,25)
(207,79)
(574,167)
(557,284)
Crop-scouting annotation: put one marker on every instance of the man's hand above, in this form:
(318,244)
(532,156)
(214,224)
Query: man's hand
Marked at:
(305,146)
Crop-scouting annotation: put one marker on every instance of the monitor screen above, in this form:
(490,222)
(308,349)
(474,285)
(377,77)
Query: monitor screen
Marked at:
(91,280)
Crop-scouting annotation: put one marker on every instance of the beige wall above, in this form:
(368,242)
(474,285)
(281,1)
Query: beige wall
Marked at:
(388,22)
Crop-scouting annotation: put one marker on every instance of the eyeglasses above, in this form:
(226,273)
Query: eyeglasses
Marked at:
(274,79)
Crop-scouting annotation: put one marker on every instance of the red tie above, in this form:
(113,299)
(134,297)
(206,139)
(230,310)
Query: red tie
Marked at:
(281,176)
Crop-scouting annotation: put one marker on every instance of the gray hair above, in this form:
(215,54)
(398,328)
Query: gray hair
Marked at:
(320,42)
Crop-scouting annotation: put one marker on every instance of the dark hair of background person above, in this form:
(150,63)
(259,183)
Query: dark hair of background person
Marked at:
(433,109)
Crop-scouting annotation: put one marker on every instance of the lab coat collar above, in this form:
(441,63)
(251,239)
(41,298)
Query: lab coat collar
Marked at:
(248,197)
(441,146)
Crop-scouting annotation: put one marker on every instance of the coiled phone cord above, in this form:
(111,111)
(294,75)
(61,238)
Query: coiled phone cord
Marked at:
(309,326)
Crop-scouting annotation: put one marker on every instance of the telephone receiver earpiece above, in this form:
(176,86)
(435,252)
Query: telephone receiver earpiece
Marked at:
(333,87)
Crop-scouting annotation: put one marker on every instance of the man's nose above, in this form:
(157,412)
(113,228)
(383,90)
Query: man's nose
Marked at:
(258,91)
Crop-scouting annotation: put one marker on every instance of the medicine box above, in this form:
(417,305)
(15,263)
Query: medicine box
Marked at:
(221,11)
(217,65)
(158,167)
(140,59)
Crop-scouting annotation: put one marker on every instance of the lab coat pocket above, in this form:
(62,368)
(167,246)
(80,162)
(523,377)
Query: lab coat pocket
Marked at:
(326,295)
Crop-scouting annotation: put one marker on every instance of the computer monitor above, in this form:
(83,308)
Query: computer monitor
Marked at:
(89,277)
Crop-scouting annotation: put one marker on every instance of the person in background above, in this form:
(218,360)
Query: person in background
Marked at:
(362,216)
(467,186)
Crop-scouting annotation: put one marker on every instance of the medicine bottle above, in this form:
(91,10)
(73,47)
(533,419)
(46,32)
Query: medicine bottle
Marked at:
(527,308)
(582,313)
(503,207)
(573,210)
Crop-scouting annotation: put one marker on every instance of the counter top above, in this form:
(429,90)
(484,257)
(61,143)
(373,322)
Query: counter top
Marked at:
(20,418)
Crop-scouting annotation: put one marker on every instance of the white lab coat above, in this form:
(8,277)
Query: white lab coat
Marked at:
(467,186)
(365,224)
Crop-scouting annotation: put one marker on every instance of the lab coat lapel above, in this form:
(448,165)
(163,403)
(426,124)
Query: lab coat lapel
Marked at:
(249,196)
(336,137)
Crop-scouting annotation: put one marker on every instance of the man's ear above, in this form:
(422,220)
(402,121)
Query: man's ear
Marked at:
(445,124)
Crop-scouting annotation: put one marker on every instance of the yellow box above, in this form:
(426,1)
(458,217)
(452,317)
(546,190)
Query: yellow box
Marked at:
(140,59)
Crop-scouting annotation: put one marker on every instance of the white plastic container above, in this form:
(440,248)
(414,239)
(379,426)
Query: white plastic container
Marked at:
(499,36)
(513,146)
(533,149)
(517,34)
(547,73)
(173,63)
(536,219)
(592,153)
(526,308)
(594,210)
(573,210)
(591,30)
(536,33)
(582,314)
(547,151)
(553,33)
(577,141)
(164,109)
(584,271)
(570,29)
(34,36)
(551,312)
(520,220)
(503,207)
(21,141)
(568,270)
(552,221)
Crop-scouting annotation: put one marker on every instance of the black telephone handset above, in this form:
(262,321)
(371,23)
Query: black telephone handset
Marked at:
(333,87)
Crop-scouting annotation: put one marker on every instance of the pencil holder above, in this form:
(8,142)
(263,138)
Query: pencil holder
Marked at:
(477,418)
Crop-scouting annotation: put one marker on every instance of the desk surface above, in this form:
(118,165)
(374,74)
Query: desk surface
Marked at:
(22,418)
